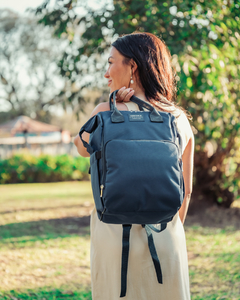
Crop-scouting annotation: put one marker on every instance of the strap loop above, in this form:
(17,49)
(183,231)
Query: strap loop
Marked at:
(98,154)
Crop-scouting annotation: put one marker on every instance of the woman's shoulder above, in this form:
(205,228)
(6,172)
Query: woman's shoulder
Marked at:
(104,106)
(183,125)
(180,116)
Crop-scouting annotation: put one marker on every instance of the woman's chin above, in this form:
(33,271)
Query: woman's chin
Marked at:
(114,87)
(112,90)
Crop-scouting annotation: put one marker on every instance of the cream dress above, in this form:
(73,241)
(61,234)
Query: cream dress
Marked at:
(142,284)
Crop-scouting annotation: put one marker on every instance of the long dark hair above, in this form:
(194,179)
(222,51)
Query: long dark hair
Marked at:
(155,71)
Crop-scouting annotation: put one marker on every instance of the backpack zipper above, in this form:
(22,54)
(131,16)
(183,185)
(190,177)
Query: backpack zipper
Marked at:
(103,169)
(103,175)
(176,137)
(102,213)
(101,190)
(104,162)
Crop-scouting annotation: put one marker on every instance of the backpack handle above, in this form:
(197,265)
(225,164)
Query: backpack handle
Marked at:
(88,127)
(117,117)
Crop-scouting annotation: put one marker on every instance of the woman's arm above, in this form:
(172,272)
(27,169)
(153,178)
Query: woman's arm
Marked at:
(100,107)
(187,160)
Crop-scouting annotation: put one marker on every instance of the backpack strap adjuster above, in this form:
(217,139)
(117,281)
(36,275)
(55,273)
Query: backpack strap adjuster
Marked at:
(98,154)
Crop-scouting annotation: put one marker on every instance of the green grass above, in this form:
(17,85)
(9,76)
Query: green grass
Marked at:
(214,263)
(47,295)
(44,241)
(45,246)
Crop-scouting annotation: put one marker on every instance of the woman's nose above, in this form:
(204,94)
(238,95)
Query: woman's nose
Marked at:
(106,75)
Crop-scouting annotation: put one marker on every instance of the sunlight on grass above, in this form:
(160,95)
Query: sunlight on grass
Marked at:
(61,262)
(31,202)
(214,262)
(48,294)
(42,195)
(45,246)
(45,240)
(236,203)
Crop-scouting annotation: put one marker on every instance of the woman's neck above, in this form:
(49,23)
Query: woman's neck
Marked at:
(140,94)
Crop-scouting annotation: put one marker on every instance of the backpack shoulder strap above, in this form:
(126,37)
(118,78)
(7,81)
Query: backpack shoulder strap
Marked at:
(125,254)
(133,106)
(153,251)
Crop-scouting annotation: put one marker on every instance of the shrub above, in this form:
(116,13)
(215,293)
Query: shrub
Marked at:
(26,168)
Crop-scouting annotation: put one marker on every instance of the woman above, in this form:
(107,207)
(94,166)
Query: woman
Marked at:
(140,64)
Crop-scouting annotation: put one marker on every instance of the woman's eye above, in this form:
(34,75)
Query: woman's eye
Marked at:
(109,62)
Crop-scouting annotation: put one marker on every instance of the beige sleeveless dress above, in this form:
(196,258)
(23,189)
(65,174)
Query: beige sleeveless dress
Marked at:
(142,284)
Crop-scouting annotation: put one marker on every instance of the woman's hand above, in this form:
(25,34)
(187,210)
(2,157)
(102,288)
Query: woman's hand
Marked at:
(124,94)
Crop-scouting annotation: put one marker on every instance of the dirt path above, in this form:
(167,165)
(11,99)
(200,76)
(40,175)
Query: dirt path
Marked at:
(214,216)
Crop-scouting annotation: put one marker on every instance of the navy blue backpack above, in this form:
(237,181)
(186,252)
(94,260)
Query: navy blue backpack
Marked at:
(136,171)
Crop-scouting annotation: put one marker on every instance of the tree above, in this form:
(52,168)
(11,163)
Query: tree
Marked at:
(203,37)
(30,79)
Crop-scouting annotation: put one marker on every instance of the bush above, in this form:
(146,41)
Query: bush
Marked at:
(26,168)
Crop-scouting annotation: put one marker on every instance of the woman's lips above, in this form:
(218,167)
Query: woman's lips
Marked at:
(109,82)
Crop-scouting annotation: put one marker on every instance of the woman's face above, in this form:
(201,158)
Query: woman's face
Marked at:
(118,73)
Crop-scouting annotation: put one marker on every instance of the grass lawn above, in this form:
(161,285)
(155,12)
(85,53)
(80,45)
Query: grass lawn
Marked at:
(45,245)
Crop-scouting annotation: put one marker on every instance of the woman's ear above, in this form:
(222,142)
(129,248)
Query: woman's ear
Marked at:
(133,66)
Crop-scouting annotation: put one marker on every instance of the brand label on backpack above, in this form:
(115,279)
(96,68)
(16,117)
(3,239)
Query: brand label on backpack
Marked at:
(136,118)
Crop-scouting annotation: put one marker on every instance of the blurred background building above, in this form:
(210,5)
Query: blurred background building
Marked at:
(37,137)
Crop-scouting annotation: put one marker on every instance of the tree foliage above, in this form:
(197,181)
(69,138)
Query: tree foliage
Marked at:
(204,40)
(30,82)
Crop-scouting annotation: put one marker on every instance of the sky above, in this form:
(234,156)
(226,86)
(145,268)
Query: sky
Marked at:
(20,6)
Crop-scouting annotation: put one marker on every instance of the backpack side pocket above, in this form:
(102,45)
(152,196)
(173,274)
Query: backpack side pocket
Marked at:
(95,180)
